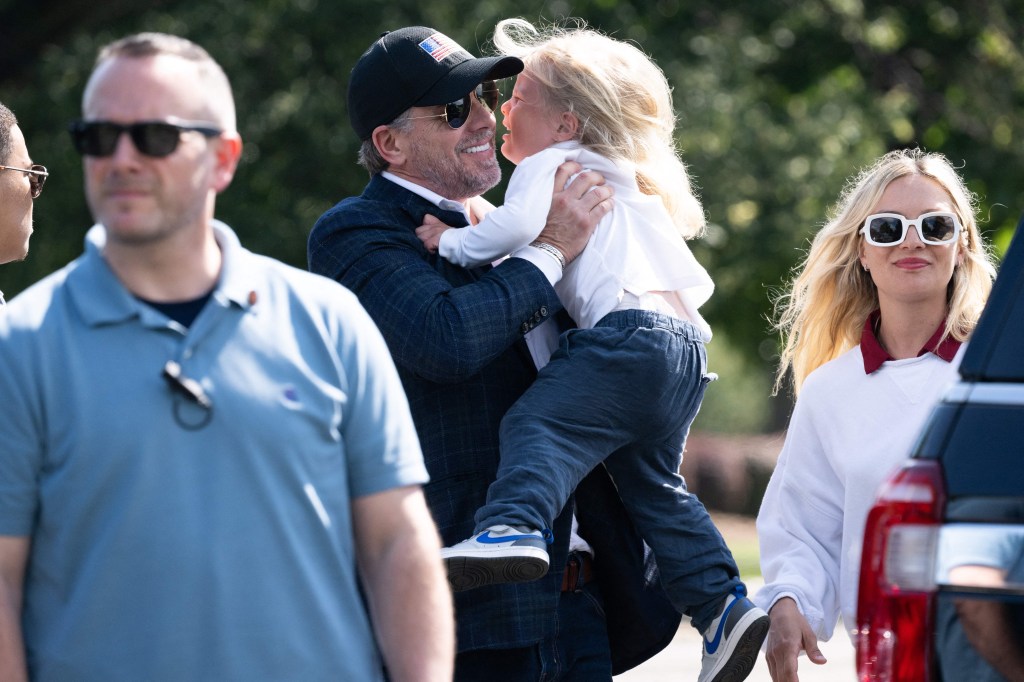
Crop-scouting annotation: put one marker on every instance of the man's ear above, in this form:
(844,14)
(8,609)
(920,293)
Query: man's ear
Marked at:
(568,125)
(390,145)
(227,151)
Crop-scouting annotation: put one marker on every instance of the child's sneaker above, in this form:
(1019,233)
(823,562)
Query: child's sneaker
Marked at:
(737,635)
(500,554)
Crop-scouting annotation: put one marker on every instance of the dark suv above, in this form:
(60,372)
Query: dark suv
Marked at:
(942,572)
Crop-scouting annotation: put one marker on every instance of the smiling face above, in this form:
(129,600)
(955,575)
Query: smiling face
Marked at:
(457,163)
(532,123)
(911,272)
(15,201)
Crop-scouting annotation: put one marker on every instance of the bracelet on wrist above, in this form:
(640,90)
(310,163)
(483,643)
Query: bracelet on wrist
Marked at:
(551,251)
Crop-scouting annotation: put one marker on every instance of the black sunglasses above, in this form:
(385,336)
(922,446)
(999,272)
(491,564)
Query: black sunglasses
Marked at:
(457,113)
(36,177)
(152,138)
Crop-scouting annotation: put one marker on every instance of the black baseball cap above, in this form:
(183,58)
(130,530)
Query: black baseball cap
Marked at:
(415,67)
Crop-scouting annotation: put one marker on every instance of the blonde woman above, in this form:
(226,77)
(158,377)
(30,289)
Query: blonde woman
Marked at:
(890,289)
(623,388)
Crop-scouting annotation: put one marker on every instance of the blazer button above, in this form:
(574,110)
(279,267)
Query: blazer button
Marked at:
(543,311)
(525,327)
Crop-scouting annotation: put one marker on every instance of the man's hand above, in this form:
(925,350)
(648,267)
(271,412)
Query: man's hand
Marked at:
(789,635)
(575,209)
(430,232)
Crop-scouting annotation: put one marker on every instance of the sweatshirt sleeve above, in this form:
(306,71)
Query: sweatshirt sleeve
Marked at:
(512,225)
(800,526)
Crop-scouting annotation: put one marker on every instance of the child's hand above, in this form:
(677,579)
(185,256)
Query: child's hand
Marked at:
(478,208)
(430,232)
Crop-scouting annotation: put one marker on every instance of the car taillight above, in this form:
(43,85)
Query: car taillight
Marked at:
(897,576)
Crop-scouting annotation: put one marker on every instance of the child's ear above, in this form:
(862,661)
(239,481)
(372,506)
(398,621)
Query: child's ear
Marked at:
(568,125)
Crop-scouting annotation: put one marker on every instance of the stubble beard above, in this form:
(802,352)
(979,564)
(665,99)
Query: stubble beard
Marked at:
(459,181)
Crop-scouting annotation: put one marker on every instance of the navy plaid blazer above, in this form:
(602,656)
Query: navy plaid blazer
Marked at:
(456,336)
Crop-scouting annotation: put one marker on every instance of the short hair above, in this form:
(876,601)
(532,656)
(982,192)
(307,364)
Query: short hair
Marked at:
(7,121)
(622,100)
(150,44)
(823,313)
(370,158)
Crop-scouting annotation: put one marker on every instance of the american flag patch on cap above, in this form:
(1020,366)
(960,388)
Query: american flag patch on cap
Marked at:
(440,46)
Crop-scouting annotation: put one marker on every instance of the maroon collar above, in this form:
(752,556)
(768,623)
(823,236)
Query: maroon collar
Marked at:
(874,355)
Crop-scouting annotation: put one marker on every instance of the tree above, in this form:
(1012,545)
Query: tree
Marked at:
(779,101)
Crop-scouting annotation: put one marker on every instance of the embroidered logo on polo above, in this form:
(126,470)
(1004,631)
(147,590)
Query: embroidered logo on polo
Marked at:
(290,397)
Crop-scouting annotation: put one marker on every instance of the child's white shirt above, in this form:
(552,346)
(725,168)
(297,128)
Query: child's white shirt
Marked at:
(634,251)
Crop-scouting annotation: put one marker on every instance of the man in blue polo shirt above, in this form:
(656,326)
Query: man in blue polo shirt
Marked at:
(205,453)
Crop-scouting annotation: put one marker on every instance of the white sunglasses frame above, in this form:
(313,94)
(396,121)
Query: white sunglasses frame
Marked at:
(916,223)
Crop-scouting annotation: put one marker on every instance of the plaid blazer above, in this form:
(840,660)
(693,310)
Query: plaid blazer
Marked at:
(456,336)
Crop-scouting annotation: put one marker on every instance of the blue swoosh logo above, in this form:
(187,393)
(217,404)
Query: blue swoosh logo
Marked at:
(486,538)
(712,646)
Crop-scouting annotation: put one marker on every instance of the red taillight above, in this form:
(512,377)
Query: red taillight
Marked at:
(894,602)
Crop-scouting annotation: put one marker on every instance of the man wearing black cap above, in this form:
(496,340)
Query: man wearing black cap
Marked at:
(422,106)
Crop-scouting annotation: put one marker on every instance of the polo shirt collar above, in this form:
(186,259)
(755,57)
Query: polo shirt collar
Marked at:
(239,279)
(102,299)
(874,354)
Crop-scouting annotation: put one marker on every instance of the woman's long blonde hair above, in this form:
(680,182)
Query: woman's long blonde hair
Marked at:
(622,100)
(823,314)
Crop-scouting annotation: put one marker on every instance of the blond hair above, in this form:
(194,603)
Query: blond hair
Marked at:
(823,314)
(622,100)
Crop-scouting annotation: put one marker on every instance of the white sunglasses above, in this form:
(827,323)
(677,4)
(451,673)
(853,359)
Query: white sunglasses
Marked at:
(890,229)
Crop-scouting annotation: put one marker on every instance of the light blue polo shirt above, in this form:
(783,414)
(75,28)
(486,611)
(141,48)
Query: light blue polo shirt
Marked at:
(170,542)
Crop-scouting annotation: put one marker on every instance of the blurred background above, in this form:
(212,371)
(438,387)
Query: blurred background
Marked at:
(778,102)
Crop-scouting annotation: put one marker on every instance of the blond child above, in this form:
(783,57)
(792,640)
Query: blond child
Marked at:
(623,388)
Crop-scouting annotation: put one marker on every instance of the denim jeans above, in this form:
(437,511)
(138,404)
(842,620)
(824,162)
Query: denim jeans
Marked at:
(577,651)
(623,393)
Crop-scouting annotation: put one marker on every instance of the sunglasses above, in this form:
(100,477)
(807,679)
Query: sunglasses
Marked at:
(890,229)
(36,177)
(457,113)
(152,138)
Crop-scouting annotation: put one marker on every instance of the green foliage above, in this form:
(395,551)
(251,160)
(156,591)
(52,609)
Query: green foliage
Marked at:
(779,101)
(737,401)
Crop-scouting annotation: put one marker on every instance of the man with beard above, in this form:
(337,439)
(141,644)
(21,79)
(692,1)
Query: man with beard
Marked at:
(423,108)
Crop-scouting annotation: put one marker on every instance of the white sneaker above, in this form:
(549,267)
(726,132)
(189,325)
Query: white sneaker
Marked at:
(500,554)
(737,635)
